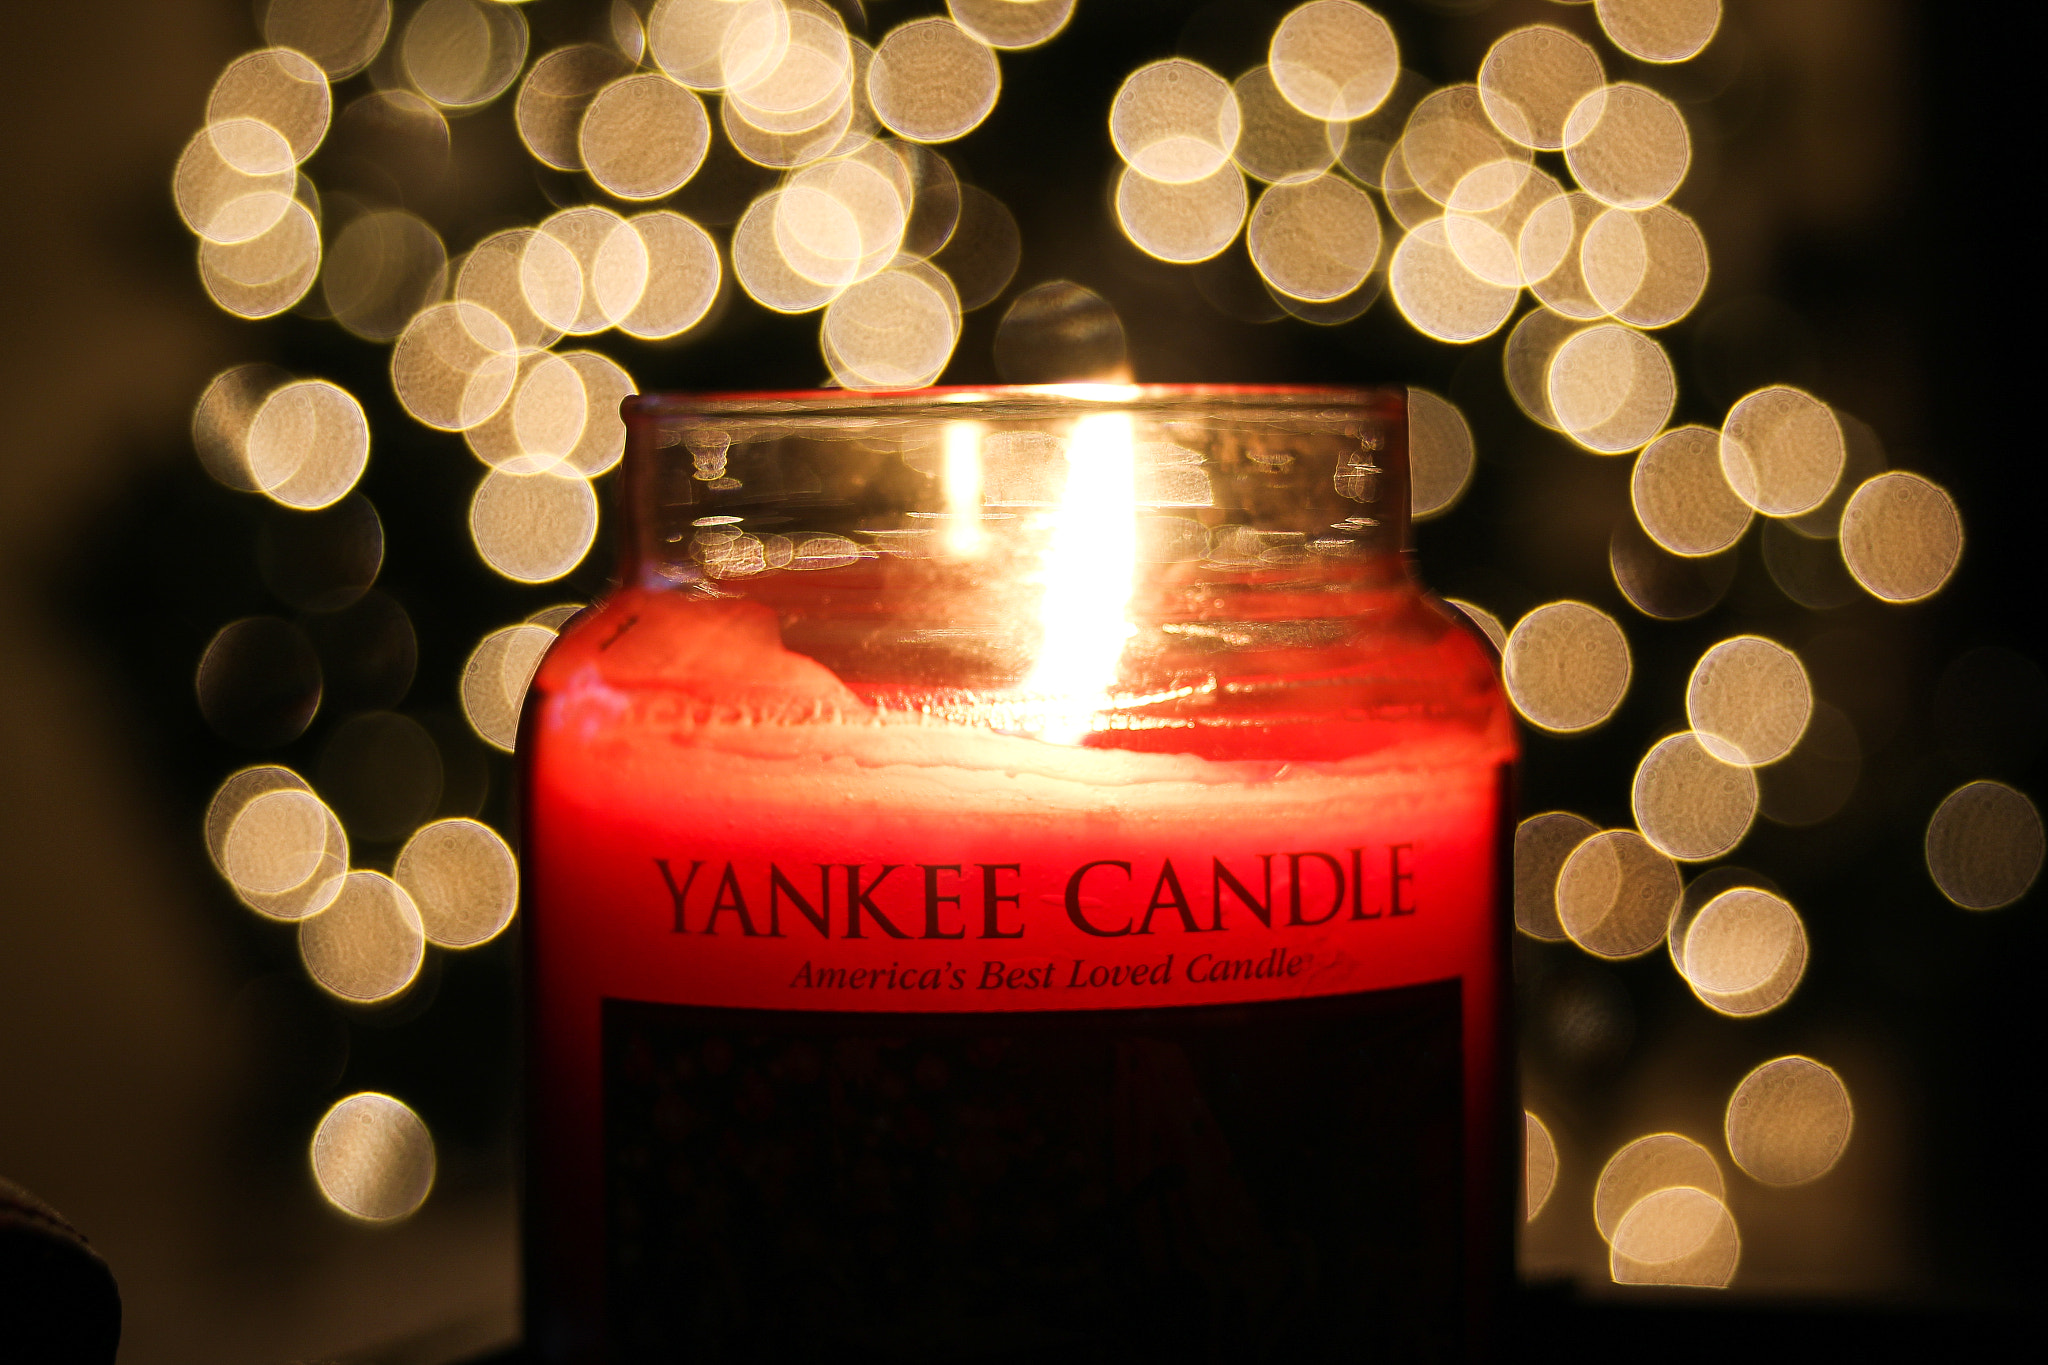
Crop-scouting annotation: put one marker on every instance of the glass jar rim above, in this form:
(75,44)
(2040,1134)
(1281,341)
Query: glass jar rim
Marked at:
(1022,401)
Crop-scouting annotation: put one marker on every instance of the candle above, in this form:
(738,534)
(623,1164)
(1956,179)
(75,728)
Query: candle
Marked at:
(1007,932)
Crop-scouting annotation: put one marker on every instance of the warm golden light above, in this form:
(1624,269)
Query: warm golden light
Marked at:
(495,679)
(1781,450)
(1659,30)
(1532,79)
(221,418)
(368,944)
(1090,563)
(1175,121)
(1689,803)
(382,268)
(1647,268)
(1539,1166)
(1627,146)
(263,275)
(1314,239)
(1551,249)
(343,36)
(1743,953)
(643,137)
(533,528)
(1439,455)
(1439,294)
(1679,1236)
(1489,625)
(280,89)
(1611,388)
(308,444)
(931,81)
(1680,496)
(1181,223)
(1984,845)
(463,880)
(1542,844)
(454,366)
(1334,60)
(1011,24)
(1901,537)
(373,1158)
(894,331)
(1660,1161)
(1789,1121)
(1617,894)
(489,278)
(960,482)
(552,99)
(1566,666)
(463,53)
(1276,142)
(1526,359)
(1748,700)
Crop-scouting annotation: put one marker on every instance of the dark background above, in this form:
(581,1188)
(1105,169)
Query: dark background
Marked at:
(1860,177)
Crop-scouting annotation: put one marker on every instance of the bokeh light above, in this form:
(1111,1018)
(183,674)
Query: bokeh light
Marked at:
(463,53)
(552,99)
(1984,845)
(1539,1166)
(282,90)
(1542,844)
(495,679)
(1175,121)
(1627,146)
(1611,388)
(931,81)
(1182,223)
(1646,268)
(533,528)
(342,36)
(1660,1161)
(308,444)
(1901,537)
(1659,30)
(894,331)
(455,365)
(1689,803)
(1789,1121)
(643,137)
(1440,455)
(1276,142)
(1748,700)
(1566,666)
(1488,624)
(1681,497)
(1334,60)
(1743,952)
(381,269)
(1525,361)
(1617,894)
(1314,239)
(1532,79)
(367,945)
(373,1158)
(261,276)
(258,682)
(1781,450)
(1011,24)
(462,878)
(1439,294)
(1676,1236)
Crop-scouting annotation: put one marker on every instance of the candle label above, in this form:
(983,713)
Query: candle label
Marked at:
(1008,935)
(1279,1182)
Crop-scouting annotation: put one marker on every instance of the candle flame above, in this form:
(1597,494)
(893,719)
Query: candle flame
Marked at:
(1089,568)
(961,484)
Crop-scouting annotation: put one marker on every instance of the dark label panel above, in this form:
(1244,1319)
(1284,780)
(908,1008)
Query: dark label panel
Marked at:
(1279,1181)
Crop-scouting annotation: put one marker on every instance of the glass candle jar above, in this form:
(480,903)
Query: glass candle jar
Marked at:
(1017,872)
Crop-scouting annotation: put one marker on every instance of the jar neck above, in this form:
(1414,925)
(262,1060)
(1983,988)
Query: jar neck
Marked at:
(1078,489)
